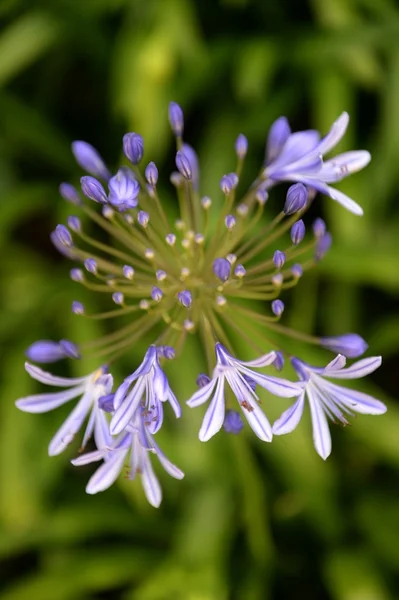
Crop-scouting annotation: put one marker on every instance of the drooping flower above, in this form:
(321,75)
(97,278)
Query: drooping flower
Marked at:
(139,443)
(89,388)
(299,157)
(237,373)
(328,400)
(147,385)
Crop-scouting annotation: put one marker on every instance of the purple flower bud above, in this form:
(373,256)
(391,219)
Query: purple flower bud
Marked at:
(296,199)
(278,307)
(185,298)
(183,165)
(151,174)
(176,119)
(47,351)
(296,270)
(89,159)
(143,218)
(277,279)
(74,224)
(319,228)
(298,232)
(167,352)
(118,298)
(230,221)
(176,179)
(239,271)
(202,380)
(70,349)
(133,147)
(91,265)
(106,403)
(156,294)
(278,135)
(77,308)
(63,236)
(233,422)
(123,189)
(241,146)
(228,183)
(170,239)
(206,202)
(191,154)
(261,197)
(279,360)
(279,259)
(93,189)
(76,275)
(107,212)
(160,275)
(128,272)
(70,193)
(221,268)
(350,345)
(323,245)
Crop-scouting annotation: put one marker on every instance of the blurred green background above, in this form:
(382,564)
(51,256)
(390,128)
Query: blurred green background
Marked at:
(250,521)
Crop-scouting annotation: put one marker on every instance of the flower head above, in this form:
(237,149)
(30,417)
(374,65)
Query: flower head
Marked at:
(89,389)
(299,157)
(327,399)
(236,373)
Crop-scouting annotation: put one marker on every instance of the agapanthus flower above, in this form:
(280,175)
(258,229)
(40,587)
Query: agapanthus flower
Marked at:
(239,376)
(299,157)
(139,443)
(89,389)
(328,400)
(216,273)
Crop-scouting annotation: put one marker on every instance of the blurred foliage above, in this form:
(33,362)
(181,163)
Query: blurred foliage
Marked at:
(250,521)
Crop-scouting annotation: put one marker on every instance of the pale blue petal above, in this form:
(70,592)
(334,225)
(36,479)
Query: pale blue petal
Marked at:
(107,474)
(102,434)
(120,393)
(89,457)
(214,416)
(354,400)
(297,145)
(151,486)
(126,410)
(258,421)
(90,427)
(174,403)
(49,379)
(335,134)
(335,365)
(321,432)
(40,403)
(262,361)
(360,368)
(71,426)
(202,395)
(275,385)
(290,418)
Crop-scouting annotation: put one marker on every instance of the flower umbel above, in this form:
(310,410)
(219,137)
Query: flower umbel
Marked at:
(216,272)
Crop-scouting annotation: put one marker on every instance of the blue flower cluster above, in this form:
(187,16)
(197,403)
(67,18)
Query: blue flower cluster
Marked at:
(208,274)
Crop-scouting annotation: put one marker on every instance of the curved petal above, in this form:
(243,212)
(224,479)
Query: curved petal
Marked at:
(49,379)
(214,416)
(89,457)
(298,145)
(151,486)
(360,368)
(262,361)
(345,201)
(335,364)
(275,385)
(107,474)
(171,398)
(202,395)
(290,417)
(102,434)
(40,403)
(354,400)
(258,421)
(71,425)
(321,432)
(126,410)
(335,134)
(120,393)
